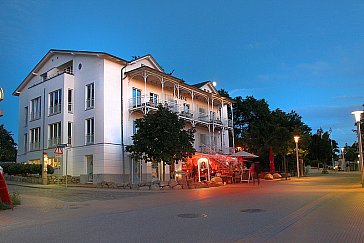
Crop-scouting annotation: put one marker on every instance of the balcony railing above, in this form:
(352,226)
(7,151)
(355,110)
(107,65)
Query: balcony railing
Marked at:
(51,74)
(148,102)
(53,142)
(70,107)
(34,116)
(89,139)
(90,103)
(55,109)
(34,146)
(214,149)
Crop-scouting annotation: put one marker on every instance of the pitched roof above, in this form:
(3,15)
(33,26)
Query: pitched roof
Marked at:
(51,52)
(199,85)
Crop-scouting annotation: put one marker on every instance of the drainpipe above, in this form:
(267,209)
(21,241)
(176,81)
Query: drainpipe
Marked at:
(122,121)
(44,166)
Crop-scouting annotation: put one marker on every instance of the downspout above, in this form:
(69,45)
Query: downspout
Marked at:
(122,121)
(44,166)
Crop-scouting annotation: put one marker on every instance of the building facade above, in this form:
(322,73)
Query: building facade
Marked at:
(89,101)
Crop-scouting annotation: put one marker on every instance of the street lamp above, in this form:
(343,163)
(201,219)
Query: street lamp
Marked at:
(357,115)
(343,157)
(296,138)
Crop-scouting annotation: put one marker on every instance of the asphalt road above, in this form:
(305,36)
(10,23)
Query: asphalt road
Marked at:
(319,208)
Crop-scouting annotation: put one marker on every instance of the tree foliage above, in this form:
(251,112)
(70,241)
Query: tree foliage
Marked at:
(160,137)
(7,145)
(320,148)
(257,128)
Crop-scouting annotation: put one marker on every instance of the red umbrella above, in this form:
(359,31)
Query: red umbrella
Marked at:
(271,160)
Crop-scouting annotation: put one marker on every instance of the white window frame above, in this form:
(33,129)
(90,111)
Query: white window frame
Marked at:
(70,100)
(34,139)
(154,99)
(55,102)
(26,111)
(36,108)
(69,132)
(26,142)
(90,96)
(136,97)
(90,131)
(54,134)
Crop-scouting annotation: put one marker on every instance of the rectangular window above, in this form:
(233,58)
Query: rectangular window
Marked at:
(186,108)
(137,97)
(25,142)
(54,134)
(34,139)
(90,96)
(134,128)
(90,130)
(70,99)
(69,133)
(154,99)
(55,102)
(26,116)
(35,109)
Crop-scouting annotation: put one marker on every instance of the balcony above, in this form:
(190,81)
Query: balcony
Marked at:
(34,146)
(90,103)
(51,74)
(34,116)
(54,109)
(70,107)
(148,103)
(89,139)
(215,149)
(54,142)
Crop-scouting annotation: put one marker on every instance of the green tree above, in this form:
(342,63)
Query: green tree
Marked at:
(320,148)
(257,128)
(160,137)
(7,145)
(351,152)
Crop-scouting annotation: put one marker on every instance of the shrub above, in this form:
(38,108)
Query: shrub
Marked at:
(15,199)
(24,169)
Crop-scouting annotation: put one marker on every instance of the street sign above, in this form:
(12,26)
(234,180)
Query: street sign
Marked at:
(58,150)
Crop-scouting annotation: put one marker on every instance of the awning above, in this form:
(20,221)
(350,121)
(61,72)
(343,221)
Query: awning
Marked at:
(244,154)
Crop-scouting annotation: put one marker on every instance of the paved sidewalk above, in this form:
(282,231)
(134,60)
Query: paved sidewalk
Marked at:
(319,208)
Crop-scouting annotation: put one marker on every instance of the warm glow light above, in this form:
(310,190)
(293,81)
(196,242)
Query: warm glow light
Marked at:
(296,138)
(357,115)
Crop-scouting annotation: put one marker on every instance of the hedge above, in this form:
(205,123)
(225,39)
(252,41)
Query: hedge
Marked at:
(24,169)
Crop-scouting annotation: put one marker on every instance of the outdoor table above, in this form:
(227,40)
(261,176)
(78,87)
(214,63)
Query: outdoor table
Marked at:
(227,179)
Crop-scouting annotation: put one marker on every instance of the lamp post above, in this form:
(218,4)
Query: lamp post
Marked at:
(296,138)
(357,115)
(332,154)
(343,157)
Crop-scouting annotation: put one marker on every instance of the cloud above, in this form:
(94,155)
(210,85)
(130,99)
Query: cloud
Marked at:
(349,97)
(241,92)
(255,45)
(339,118)
(315,68)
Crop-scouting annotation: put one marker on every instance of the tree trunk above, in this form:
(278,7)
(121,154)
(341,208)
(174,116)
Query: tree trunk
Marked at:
(285,166)
(171,170)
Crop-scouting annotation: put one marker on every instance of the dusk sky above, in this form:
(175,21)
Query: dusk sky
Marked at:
(306,56)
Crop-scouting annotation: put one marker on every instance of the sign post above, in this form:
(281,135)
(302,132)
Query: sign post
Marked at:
(59,150)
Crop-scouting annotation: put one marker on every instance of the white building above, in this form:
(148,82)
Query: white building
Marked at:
(90,101)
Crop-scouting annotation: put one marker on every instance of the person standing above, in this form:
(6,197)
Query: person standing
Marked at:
(254,172)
